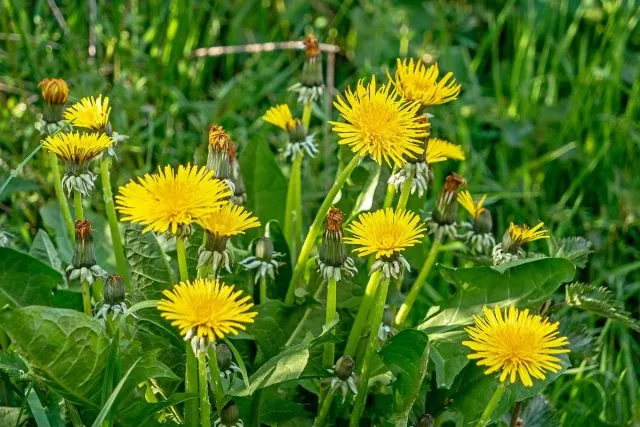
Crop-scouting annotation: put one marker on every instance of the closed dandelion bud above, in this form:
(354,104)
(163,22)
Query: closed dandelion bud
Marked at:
(264,249)
(344,367)
(483,223)
(333,261)
(230,414)
(55,94)
(114,292)
(224,357)
(218,159)
(445,212)
(83,263)
(425,420)
(311,84)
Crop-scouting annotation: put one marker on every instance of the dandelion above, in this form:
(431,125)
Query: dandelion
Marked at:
(479,236)
(225,222)
(386,233)
(299,142)
(380,124)
(114,301)
(333,262)
(520,345)
(264,259)
(170,200)
(77,150)
(417,82)
(443,218)
(90,113)
(218,159)
(206,310)
(510,249)
(54,91)
(311,84)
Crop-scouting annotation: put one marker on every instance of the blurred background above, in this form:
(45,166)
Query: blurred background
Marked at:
(548,113)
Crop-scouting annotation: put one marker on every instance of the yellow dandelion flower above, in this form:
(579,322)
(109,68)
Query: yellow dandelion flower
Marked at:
(417,82)
(439,150)
(229,220)
(168,199)
(466,201)
(380,124)
(54,91)
(90,113)
(518,343)
(521,234)
(385,232)
(207,308)
(77,147)
(280,116)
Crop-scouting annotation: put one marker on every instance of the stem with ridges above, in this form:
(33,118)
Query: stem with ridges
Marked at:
(62,199)
(315,228)
(493,403)
(328,353)
(86,298)
(118,248)
(218,391)
(363,313)
(77,205)
(205,407)
(418,283)
(376,319)
(306,115)
(405,192)
(191,369)
(292,208)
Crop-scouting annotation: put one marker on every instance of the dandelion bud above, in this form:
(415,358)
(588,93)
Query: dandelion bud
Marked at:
(344,367)
(445,213)
(114,292)
(55,93)
(333,261)
(483,223)
(218,159)
(425,420)
(83,264)
(264,249)
(230,414)
(224,357)
(311,84)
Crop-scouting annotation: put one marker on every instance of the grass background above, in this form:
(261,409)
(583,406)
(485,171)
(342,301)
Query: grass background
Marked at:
(548,115)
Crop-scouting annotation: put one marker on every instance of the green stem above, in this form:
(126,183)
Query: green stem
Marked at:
(263,289)
(293,208)
(306,115)
(363,388)
(391,192)
(329,349)
(315,228)
(205,406)
(116,238)
(493,403)
(218,391)
(62,199)
(324,409)
(182,259)
(86,298)
(191,386)
(405,192)
(515,414)
(363,313)
(77,205)
(419,282)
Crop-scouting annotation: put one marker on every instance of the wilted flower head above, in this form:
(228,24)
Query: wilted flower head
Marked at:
(417,82)
(311,84)
(83,263)
(379,124)
(517,343)
(333,261)
(89,113)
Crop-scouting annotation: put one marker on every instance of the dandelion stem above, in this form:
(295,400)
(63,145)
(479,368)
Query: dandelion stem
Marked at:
(306,114)
(324,409)
(218,391)
(363,313)
(405,192)
(515,414)
(363,388)
(263,289)
(116,238)
(293,208)
(86,298)
(314,230)
(62,200)
(205,407)
(406,306)
(77,205)
(493,403)
(182,258)
(329,349)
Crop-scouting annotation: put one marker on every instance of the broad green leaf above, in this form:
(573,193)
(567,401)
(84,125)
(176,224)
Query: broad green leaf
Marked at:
(448,356)
(266,186)
(407,355)
(9,416)
(523,282)
(68,298)
(575,249)
(600,301)
(150,269)
(269,327)
(43,249)
(25,280)
(276,408)
(67,350)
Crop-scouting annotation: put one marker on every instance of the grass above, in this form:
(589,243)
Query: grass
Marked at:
(549,115)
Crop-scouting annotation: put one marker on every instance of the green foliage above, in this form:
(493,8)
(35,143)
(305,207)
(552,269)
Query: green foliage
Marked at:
(24,280)
(600,301)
